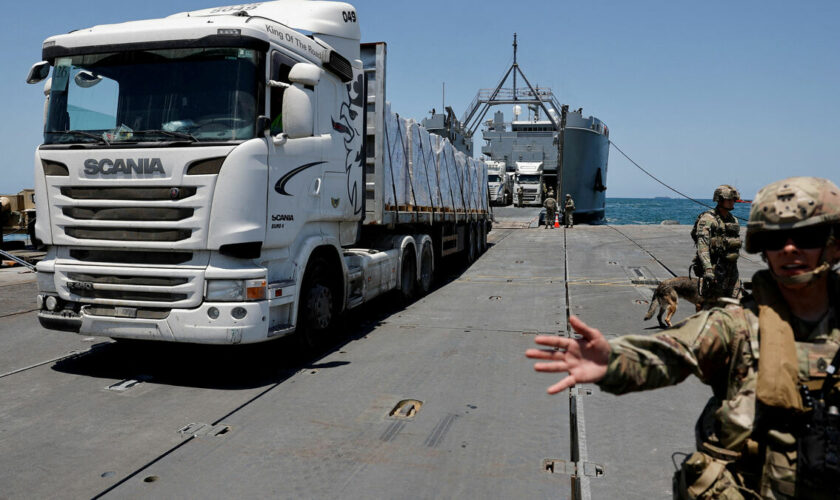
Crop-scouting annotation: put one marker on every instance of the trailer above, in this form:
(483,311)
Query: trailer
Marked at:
(236,174)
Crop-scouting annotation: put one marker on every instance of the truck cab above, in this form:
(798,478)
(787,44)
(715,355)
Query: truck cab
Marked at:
(193,165)
(529,178)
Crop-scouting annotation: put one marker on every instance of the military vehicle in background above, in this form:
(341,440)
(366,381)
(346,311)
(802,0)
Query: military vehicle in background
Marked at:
(572,148)
(17,216)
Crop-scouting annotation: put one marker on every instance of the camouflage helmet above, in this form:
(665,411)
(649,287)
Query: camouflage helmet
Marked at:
(725,192)
(790,204)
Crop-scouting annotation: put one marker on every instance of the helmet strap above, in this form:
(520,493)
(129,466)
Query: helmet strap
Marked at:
(804,278)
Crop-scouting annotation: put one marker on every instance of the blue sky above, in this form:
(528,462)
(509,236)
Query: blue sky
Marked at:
(698,93)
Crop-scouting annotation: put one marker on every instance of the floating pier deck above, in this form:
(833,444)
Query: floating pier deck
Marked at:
(433,400)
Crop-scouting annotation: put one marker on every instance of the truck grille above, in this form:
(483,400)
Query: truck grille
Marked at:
(132,214)
(128,257)
(125,234)
(130,286)
(128,193)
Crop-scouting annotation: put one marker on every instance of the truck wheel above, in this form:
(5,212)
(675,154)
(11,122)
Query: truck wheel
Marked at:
(427,261)
(482,238)
(408,275)
(316,311)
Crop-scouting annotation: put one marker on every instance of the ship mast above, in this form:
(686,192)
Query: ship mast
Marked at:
(485,99)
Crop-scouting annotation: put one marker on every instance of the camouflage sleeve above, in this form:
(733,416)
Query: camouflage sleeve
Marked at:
(699,345)
(704,240)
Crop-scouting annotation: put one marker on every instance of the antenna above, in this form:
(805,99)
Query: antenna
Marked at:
(443,98)
(514,65)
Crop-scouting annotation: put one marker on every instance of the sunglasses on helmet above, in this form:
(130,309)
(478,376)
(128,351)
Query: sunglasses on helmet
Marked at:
(803,238)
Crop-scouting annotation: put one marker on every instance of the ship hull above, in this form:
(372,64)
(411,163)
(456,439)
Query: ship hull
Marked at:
(584,172)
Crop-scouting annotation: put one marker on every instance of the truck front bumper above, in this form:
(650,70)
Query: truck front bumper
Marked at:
(180,325)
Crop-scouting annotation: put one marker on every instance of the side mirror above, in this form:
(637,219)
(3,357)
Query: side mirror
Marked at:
(38,72)
(305,74)
(298,115)
(86,79)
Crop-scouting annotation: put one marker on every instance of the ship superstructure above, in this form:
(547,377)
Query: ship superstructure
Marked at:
(569,150)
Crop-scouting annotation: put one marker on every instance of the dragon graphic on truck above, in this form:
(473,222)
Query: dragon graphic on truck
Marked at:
(354,153)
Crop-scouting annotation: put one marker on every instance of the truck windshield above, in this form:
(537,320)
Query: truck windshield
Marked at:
(528,179)
(197,94)
(492,178)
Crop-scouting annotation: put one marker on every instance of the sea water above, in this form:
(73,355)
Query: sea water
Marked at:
(659,210)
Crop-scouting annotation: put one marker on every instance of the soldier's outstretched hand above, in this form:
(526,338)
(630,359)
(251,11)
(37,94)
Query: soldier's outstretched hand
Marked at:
(585,359)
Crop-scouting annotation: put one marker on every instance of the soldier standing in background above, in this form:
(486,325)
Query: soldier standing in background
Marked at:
(771,428)
(568,210)
(717,235)
(519,194)
(550,205)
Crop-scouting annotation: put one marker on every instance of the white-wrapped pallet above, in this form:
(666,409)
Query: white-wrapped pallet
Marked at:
(418,137)
(452,175)
(484,196)
(462,198)
(431,169)
(442,167)
(474,190)
(396,191)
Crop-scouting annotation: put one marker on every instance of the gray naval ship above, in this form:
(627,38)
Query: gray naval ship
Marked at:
(546,147)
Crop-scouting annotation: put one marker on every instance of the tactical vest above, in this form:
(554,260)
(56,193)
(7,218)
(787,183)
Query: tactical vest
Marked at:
(725,237)
(786,451)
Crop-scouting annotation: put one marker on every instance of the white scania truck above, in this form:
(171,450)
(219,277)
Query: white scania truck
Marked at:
(499,183)
(235,174)
(529,176)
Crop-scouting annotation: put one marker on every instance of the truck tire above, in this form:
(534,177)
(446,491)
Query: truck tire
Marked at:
(427,265)
(482,237)
(408,275)
(317,307)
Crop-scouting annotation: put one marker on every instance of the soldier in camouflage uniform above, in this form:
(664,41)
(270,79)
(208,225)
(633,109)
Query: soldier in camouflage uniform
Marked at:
(718,238)
(761,435)
(550,205)
(568,210)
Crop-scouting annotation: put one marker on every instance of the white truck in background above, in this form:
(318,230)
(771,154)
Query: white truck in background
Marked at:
(235,174)
(499,183)
(529,176)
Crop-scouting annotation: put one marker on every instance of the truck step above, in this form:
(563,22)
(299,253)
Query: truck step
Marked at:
(354,273)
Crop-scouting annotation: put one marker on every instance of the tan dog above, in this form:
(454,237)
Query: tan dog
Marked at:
(668,293)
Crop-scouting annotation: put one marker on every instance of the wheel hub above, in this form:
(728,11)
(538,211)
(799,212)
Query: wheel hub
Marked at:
(320,307)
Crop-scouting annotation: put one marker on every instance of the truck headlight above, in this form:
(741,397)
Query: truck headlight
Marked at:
(235,290)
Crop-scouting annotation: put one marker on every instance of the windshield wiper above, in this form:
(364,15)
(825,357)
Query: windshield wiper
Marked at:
(168,133)
(80,133)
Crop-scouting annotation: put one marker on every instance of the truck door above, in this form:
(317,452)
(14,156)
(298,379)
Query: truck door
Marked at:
(295,167)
